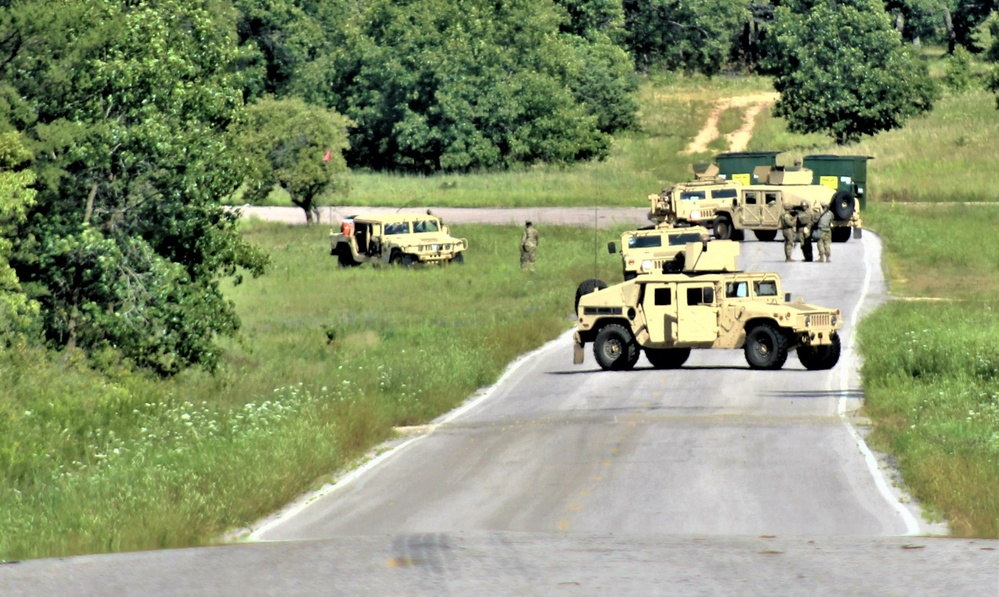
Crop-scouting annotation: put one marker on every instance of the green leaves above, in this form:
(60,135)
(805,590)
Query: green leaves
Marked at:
(128,241)
(841,69)
(297,147)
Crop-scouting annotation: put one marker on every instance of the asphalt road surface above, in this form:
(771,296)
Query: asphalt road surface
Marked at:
(569,480)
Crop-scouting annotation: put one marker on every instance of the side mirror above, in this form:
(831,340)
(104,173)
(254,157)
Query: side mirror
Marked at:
(787,297)
(445,229)
(611,248)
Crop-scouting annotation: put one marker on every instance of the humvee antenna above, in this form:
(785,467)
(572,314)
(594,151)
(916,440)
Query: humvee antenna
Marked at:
(595,241)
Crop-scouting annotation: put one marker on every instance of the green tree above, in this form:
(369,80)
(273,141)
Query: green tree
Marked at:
(841,69)
(456,85)
(297,147)
(688,36)
(128,107)
(18,314)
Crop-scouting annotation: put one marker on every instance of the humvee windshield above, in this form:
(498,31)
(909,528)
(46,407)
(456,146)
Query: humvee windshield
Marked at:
(765,288)
(644,242)
(724,194)
(425,226)
(682,239)
(397,228)
(692,195)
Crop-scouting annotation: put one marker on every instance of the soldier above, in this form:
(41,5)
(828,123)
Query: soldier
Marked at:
(789,227)
(825,234)
(805,222)
(528,247)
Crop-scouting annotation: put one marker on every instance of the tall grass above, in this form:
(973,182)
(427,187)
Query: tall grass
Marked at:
(329,361)
(931,381)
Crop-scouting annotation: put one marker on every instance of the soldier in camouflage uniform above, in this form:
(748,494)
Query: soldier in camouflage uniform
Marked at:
(825,234)
(789,227)
(806,220)
(528,247)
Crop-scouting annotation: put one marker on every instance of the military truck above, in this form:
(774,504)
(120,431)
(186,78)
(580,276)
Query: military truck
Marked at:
(400,239)
(730,207)
(654,248)
(709,304)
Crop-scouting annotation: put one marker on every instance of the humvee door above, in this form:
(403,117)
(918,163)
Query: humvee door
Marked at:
(760,209)
(697,312)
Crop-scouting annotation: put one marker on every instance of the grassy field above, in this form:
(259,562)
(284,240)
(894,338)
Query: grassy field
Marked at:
(329,361)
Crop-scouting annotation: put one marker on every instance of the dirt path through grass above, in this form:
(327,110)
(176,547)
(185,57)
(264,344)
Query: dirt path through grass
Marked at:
(738,140)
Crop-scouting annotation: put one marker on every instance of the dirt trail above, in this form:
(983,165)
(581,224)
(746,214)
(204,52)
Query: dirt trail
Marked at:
(739,139)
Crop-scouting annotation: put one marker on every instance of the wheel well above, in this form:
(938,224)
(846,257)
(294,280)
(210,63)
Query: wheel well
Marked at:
(591,334)
(753,323)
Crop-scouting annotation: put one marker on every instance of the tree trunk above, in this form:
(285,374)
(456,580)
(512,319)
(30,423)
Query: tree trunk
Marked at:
(951,34)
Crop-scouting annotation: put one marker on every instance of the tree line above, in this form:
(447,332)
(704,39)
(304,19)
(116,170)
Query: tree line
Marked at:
(125,124)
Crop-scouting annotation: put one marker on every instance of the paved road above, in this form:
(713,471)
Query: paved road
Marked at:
(570,480)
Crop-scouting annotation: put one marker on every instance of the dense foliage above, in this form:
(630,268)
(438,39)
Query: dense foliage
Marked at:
(126,107)
(440,85)
(841,69)
(677,35)
(296,147)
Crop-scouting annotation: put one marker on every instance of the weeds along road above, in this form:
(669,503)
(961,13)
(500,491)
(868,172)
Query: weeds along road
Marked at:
(569,480)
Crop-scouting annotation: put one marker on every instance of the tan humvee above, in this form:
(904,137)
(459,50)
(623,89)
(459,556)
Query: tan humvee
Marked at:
(730,207)
(402,239)
(654,248)
(708,305)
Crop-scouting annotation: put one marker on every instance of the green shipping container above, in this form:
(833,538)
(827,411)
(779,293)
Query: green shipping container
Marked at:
(739,165)
(842,173)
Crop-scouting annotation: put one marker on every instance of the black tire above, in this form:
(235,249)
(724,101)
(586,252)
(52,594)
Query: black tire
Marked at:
(675,265)
(667,358)
(343,256)
(815,358)
(722,227)
(765,236)
(841,234)
(766,347)
(458,258)
(586,287)
(401,259)
(627,276)
(615,348)
(843,205)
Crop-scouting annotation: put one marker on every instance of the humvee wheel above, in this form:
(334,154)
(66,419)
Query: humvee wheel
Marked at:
(401,259)
(458,258)
(841,234)
(343,256)
(765,235)
(667,358)
(586,287)
(615,348)
(815,358)
(723,228)
(766,347)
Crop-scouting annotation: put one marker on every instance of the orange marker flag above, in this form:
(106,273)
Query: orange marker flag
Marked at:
(328,156)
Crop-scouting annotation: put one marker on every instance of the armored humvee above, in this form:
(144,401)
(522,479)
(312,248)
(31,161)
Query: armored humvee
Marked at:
(730,207)
(709,304)
(654,248)
(400,239)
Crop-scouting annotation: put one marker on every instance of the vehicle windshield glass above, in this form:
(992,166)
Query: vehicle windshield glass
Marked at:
(691,195)
(426,226)
(397,228)
(765,288)
(682,239)
(644,242)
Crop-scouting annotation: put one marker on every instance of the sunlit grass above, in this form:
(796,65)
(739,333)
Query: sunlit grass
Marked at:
(329,361)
